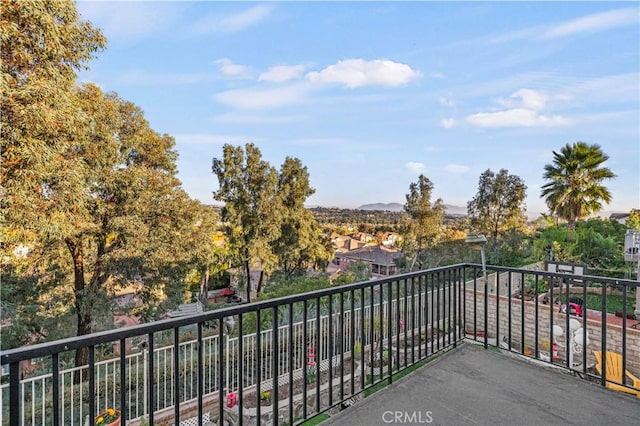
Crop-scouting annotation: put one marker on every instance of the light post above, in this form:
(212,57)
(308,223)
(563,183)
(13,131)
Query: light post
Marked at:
(477,242)
(576,341)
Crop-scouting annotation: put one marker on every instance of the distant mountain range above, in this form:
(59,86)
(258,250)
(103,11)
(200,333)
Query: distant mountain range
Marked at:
(462,211)
(397,207)
(392,207)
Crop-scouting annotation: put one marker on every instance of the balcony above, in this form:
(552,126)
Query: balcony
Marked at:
(324,353)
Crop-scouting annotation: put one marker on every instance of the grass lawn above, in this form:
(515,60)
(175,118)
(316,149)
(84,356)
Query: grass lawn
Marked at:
(614,302)
(316,420)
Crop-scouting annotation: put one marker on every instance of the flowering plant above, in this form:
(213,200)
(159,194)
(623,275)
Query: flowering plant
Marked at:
(311,371)
(265,395)
(107,416)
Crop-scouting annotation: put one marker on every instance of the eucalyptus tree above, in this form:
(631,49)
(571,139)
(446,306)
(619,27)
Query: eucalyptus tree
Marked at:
(122,220)
(575,181)
(424,221)
(90,200)
(44,44)
(301,244)
(499,204)
(248,187)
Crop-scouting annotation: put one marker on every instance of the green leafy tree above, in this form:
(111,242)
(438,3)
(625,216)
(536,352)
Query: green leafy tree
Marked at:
(552,243)
(498,206)
(122,221)
(633,221)
(575,182)
(597,243)
(44,44)
(423,223)
(210,252)
(248,187)
(301,244)
(90,199)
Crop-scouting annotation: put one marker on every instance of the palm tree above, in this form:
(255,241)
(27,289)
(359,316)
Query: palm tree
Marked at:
(575,178)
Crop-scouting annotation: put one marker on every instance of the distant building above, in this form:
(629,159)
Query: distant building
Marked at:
(390,239)
(620,217)
(381,259)
(343,244)
(363,237)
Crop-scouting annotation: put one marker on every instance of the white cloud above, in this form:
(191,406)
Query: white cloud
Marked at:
(322,142)
(607,89)
(232,23)
(207,139)
(436,75)
(151,79)
(431,149)
(448,123)
(240,118)
(587,24)
(248,18)
(227,67)
(257,98)
(456,168)
(593,23)
(447,101)
(125,24)
(415,167)
(526,108)
(517,117)
(282,73)
(358,72)
(526,98)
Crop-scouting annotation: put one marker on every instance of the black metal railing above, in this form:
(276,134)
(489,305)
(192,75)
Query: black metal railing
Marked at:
(289,359)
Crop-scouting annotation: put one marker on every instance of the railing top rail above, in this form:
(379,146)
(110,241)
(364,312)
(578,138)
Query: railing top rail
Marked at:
(76,342)
(587,278)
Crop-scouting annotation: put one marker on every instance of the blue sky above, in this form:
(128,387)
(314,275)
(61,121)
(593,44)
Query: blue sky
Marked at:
(369,95)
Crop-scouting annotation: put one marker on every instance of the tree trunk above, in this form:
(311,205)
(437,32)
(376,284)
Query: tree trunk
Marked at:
(83,315)
(248,271)
(204,282)
(260,282)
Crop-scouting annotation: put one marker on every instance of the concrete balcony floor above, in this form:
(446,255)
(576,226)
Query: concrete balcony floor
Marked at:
(473,386)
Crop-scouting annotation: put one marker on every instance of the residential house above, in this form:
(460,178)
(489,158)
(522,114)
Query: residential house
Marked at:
(380,259)
(619,217)
(390,239)
(343,244)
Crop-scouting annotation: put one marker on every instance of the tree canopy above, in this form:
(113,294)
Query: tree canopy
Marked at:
(248,187)
(575,181)
(301,244)
(597,243)
(91,203)
(424,220)
(633,221)
(266,222)
(498,206)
